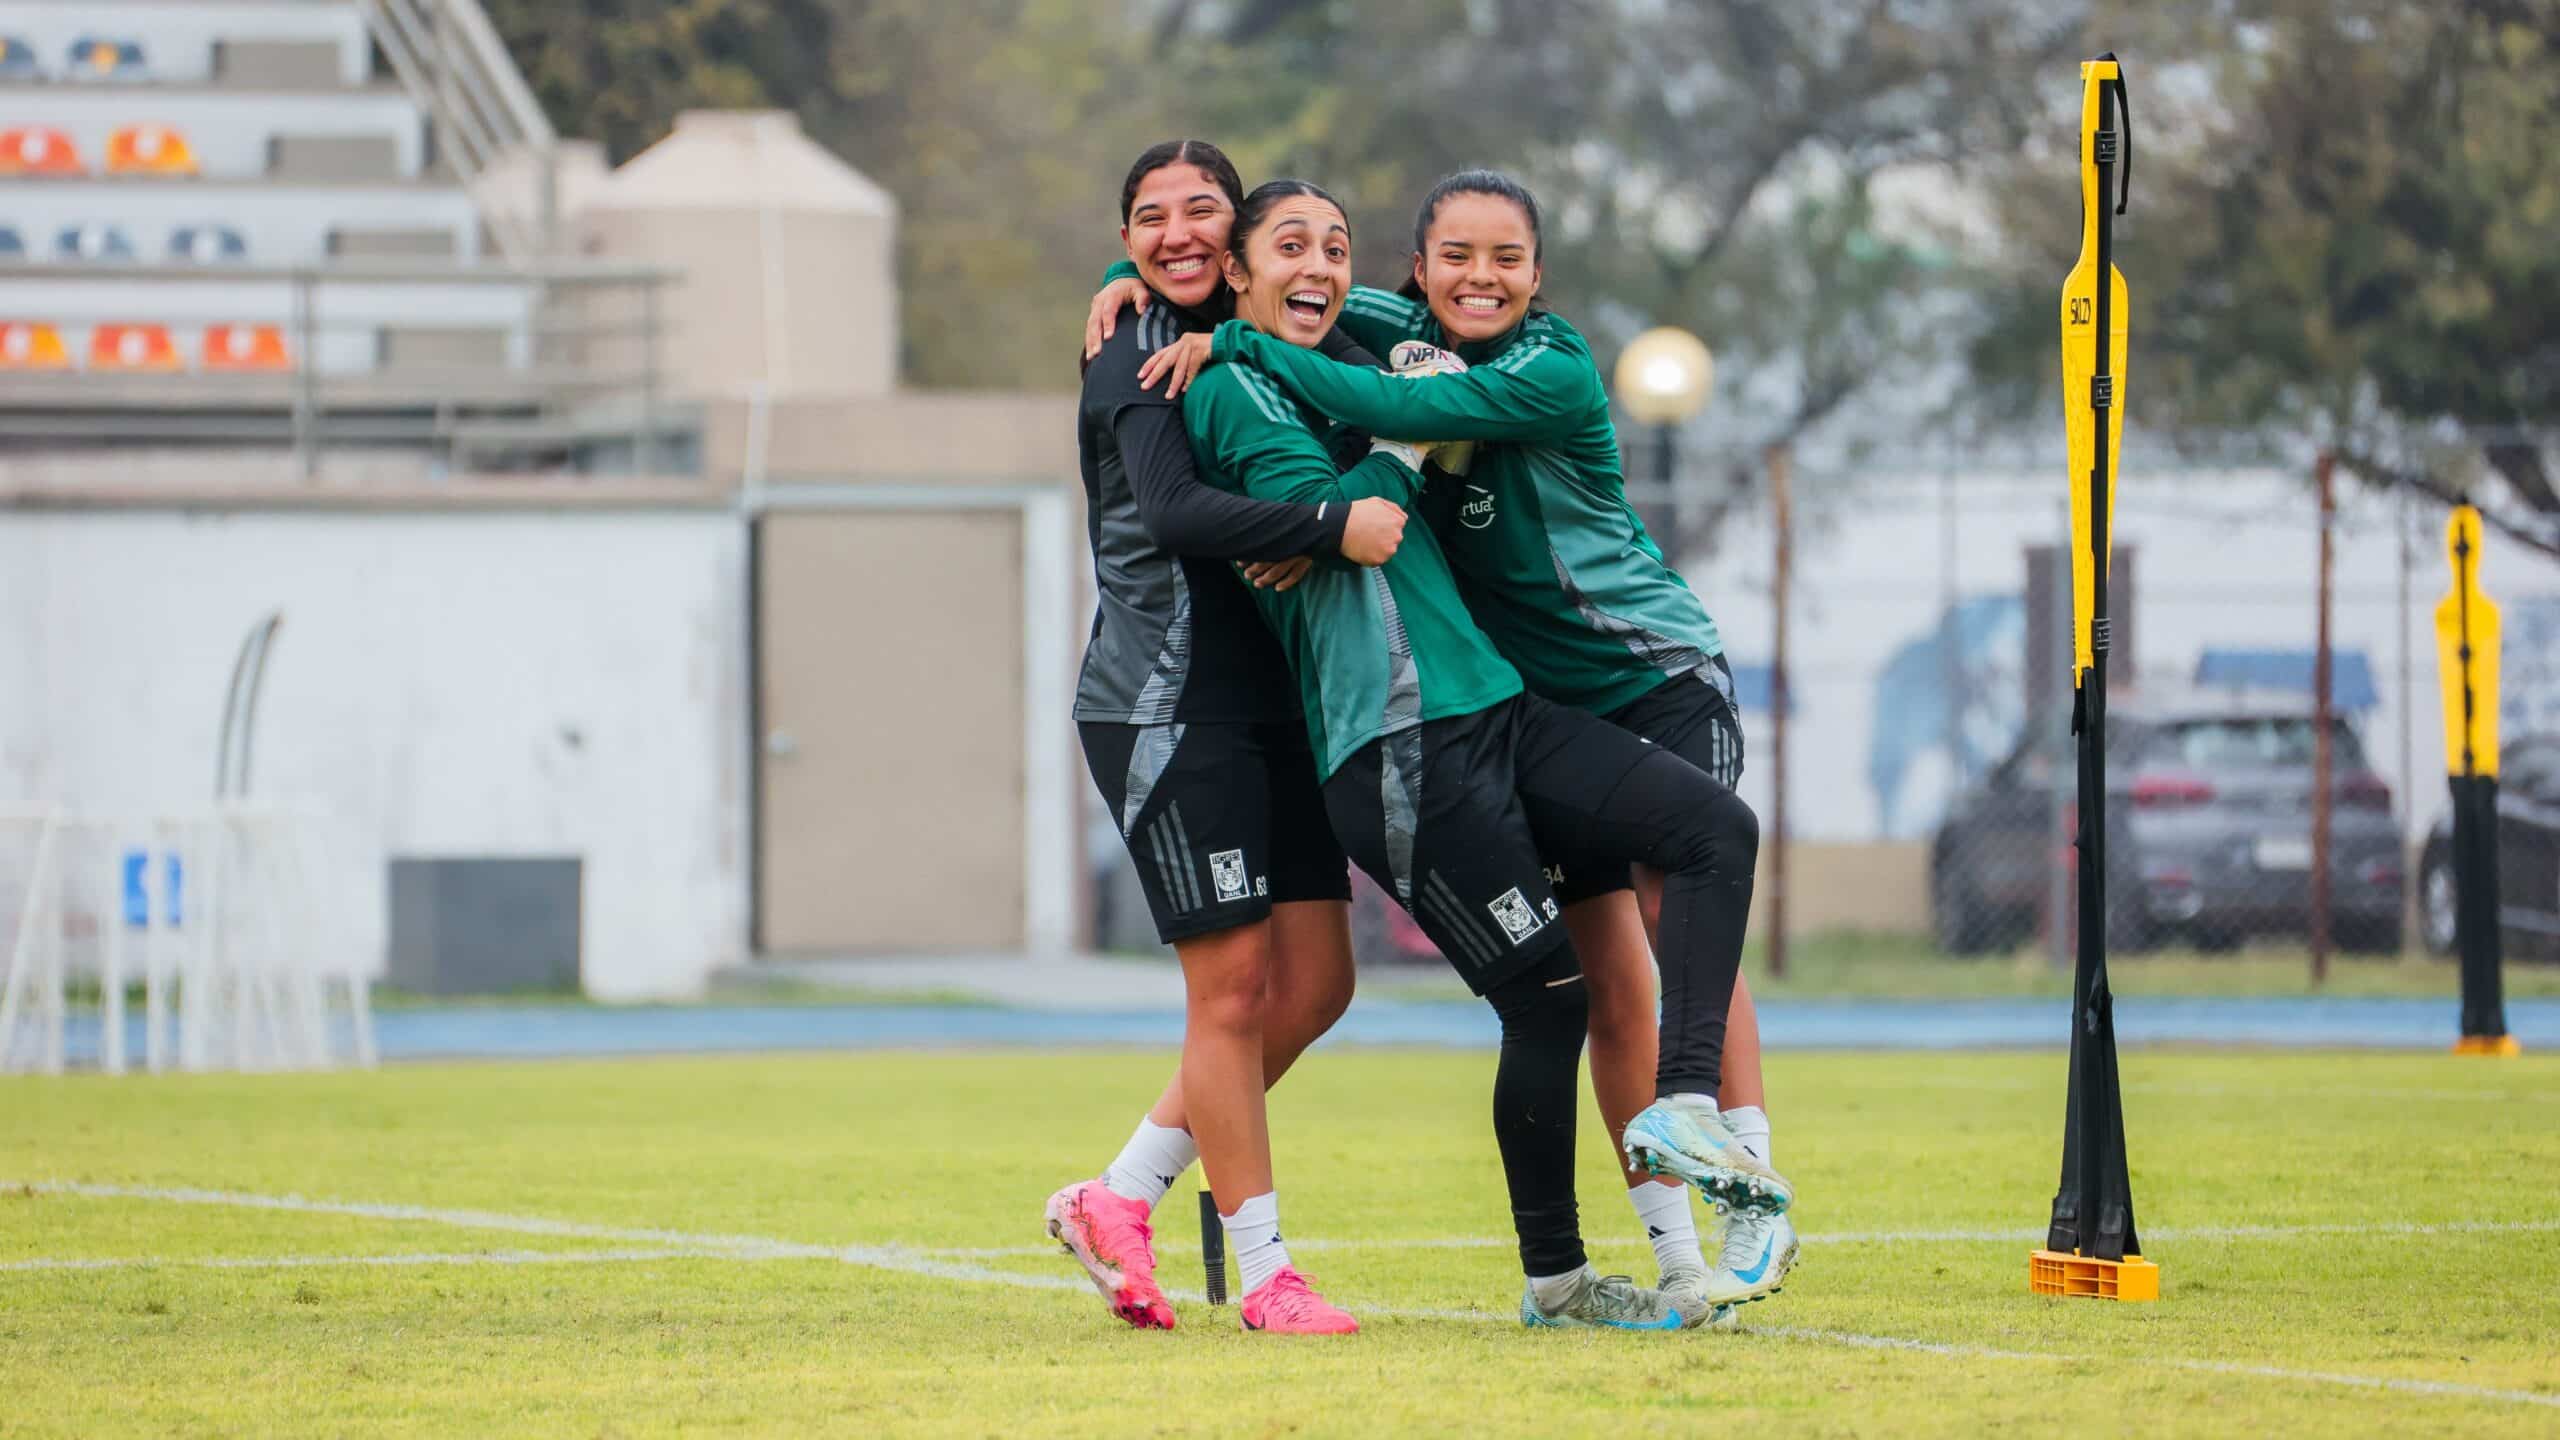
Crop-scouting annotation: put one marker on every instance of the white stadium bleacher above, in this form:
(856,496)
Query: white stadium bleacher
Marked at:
(238,219)
(192,41)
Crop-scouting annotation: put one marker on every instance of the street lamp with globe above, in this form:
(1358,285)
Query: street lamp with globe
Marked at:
(1663,379)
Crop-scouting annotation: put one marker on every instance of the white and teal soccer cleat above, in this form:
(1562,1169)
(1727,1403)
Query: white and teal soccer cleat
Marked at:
(1602,1302)
(1686,1289)
(1758,1252)
(1691,1142)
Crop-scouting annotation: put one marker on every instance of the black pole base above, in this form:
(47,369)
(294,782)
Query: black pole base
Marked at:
(2476,935)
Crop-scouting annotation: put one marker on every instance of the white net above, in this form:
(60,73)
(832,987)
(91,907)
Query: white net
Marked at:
(171,942)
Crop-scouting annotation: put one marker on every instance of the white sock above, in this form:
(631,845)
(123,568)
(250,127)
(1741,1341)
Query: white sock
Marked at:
(1750,1125)
(1153,1159)
(1694,1100)
(1664,1212)
(1253,1238)
(1553,1290)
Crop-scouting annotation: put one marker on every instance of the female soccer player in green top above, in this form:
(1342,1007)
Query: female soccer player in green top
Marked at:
(1559,571)
(1436,764)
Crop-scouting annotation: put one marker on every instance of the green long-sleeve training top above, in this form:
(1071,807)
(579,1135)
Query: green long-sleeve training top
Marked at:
(1551,558)
(1375,650)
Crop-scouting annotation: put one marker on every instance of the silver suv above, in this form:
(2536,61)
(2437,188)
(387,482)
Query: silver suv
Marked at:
(2209,821)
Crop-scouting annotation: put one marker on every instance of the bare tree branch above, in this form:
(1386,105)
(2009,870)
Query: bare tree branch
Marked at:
(2379,472)
(2522,465)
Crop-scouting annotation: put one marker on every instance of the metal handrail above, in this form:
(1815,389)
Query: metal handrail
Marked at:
(587,366)
(450,59)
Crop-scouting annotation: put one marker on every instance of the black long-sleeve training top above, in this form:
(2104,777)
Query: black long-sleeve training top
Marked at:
(1175,634)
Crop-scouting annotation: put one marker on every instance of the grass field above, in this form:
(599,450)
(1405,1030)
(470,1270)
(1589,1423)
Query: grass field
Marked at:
(850,1245)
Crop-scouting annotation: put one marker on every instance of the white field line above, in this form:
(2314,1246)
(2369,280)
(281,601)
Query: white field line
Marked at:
(1853,1237)
(910,1261)
(309,1262)
(734,1247)
(2240,1092)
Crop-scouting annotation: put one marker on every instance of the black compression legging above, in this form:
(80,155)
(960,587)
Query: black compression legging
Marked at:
(1663,812)
(1706,902)
(1545,1012)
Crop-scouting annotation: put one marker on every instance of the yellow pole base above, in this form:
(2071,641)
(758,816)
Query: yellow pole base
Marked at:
(2487,1045)
(2061,1272)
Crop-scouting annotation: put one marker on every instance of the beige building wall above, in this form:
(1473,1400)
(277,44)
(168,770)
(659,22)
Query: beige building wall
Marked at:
(1877,887)
(940,437)
(893,769)
(924,603)
(919,591)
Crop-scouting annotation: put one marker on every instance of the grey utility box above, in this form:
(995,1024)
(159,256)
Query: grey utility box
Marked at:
(483,926)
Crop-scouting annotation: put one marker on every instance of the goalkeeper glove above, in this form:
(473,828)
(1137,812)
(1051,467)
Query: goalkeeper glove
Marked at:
(1414,359)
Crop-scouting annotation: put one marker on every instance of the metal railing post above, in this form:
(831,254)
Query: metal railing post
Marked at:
(306,368)
(644,453)
(1774,862)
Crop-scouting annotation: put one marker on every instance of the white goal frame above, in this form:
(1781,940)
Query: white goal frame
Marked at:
(233,975)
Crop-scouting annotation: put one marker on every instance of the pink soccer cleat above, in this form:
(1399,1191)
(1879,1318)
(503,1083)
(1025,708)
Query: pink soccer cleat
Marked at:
(1286,1306)
(1109,1236)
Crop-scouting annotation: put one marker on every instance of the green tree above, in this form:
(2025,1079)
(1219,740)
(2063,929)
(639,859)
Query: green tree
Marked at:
(999,125)
(1710,165)
(2349,241)
(1705,164)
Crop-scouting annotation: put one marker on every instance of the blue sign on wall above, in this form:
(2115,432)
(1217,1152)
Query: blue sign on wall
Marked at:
(173,889)
(137,889)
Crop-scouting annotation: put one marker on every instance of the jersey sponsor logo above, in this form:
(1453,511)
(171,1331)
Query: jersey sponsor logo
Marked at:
(1476,511)
(1226,867)
(1262,885)
(1512,910)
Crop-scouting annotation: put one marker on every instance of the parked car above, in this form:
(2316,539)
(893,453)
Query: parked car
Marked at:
(2528,857)
(2209,833)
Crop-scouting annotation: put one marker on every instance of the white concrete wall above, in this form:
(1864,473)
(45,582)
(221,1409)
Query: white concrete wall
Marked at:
(490,683)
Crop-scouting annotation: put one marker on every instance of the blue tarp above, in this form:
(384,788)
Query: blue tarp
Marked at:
(2350,674)
(1751,686)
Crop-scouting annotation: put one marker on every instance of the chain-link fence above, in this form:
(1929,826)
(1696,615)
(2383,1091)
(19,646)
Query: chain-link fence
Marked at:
(1930,776)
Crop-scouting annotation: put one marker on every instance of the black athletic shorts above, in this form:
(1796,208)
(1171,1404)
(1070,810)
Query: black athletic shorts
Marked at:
(1446,819)
(1223,819)
(1690,715)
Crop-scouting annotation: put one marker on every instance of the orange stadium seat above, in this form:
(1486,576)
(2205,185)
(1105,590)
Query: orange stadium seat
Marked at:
(133,348)
(25,346)
(245,347)
(149,150)
(38,150)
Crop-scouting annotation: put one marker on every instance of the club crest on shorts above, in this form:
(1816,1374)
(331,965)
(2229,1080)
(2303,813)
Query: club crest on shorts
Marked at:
(1518,920)
(1226,867)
